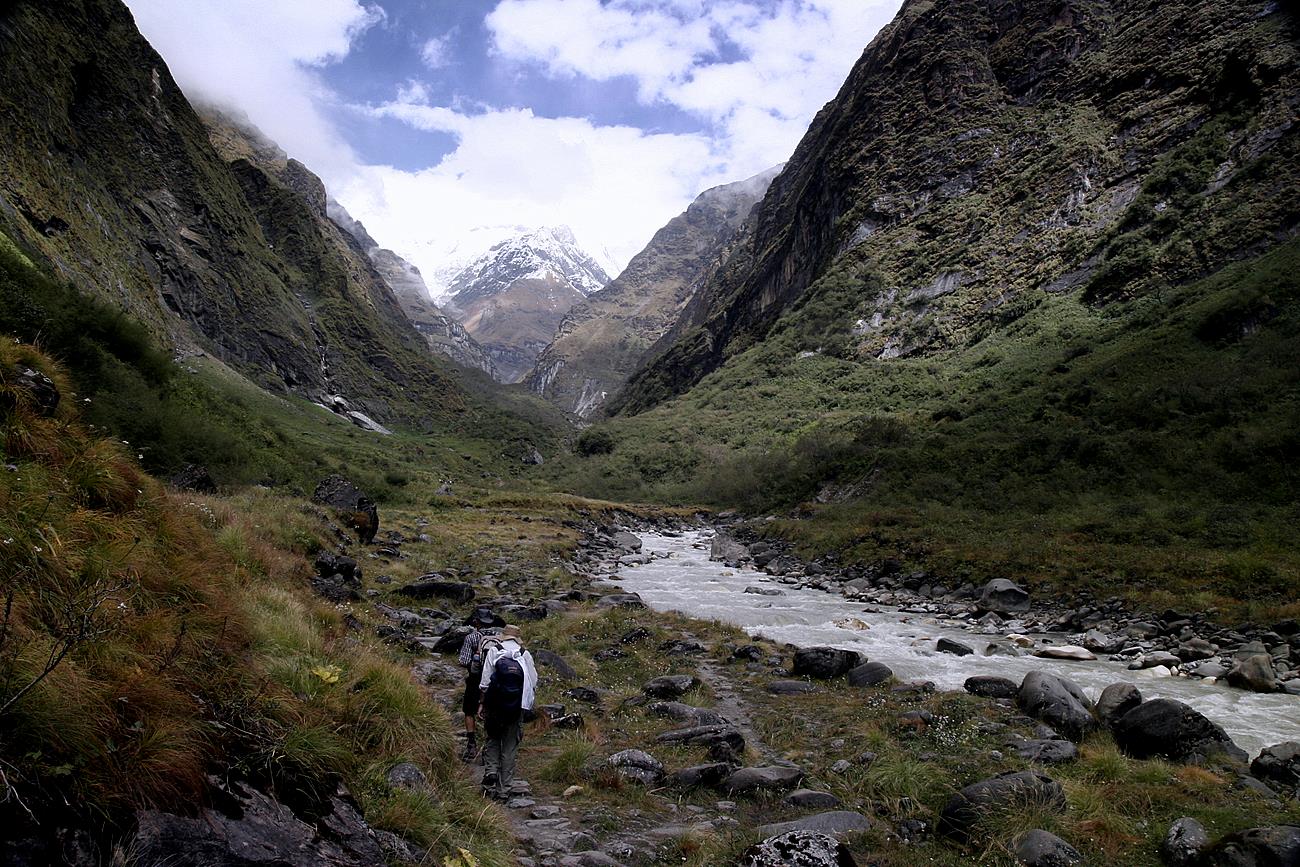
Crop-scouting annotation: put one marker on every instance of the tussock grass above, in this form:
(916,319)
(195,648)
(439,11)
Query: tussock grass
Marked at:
(147,637)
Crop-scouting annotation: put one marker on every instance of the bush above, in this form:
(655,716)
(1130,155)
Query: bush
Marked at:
(594,441)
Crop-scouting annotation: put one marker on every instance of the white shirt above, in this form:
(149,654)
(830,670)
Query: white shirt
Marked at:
(514,648)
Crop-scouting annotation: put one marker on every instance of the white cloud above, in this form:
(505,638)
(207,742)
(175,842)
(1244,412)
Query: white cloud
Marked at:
(614,185)
(753,71)
(783,60)
(259,57)
(436,52)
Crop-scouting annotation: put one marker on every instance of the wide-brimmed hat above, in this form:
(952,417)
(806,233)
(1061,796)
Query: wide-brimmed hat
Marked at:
(481,616)
(511,631)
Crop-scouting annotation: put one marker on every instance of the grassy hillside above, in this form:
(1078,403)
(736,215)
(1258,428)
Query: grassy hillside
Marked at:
(149,638)
(200,411)
(1150,444)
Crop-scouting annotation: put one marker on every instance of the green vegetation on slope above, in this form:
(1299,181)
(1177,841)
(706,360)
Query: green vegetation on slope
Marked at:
(203,413)
(1151,442)
(147,638)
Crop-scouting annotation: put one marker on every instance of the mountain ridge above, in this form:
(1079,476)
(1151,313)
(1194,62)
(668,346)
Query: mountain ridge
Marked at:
(601,340)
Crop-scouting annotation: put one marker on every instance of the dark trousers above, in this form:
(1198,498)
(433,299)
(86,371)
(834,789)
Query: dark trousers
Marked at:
(500,749)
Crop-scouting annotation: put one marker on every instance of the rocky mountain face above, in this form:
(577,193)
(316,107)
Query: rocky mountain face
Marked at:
(602,340)
(220,244)
(444,335)
(986,153)
(512,299)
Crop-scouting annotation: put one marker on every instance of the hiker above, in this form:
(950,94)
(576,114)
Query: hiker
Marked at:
(509,684)
(471,656)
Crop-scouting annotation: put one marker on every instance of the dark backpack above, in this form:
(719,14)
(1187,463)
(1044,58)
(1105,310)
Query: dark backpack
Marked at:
(503,701)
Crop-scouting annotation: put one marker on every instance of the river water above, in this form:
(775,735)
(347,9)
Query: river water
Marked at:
(686,581)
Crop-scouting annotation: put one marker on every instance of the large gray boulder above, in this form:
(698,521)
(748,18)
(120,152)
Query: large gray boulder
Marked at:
(1275,846)
(991,686)
(638,766)
(726,549)
(1058,702)
(1010,791)
(675,710)
(870,674)
(834,822)
(798,849)
(1004,597)
(1040,848)
(1279,763)
(771,778)
(824,663)
(1117,700)
(1169,729)
(626,541)
(435,586)
(1183,843)
(1254,673)
(670,686)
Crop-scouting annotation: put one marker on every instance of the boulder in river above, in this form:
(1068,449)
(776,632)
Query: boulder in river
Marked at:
(725,548)
(1254,673)
(1004,792)
(1117,700)
(824,662)
(1065,651)
(1058,702)
(1004,597)
(798,849)
(1169,729)
(626,541)
(956,648)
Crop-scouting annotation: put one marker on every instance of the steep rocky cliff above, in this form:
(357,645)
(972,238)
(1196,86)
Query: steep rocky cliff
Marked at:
(109,174)
(603,339)
(443,334)
(986,153)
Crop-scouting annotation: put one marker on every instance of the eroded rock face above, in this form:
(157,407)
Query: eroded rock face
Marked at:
(246,827)
(799,849)
(1170,729)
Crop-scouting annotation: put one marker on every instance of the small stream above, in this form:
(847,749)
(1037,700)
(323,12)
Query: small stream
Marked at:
(686,581)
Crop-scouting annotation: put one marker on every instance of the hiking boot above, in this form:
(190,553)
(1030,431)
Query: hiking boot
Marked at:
(490,785)
(470,753)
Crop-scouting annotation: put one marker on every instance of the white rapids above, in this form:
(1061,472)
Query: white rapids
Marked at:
(682,578)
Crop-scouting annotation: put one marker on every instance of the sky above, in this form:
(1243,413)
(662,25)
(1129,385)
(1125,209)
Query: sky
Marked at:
(444,125)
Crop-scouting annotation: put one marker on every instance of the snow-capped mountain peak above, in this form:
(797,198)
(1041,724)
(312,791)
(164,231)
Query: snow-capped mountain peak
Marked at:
(550,253)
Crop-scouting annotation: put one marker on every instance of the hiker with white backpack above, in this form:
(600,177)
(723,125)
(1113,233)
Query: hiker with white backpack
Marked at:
(508,685)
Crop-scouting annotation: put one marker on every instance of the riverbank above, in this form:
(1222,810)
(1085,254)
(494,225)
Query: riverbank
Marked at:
(698,702)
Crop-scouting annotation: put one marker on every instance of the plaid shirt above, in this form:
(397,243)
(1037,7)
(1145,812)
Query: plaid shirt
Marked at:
(469,647)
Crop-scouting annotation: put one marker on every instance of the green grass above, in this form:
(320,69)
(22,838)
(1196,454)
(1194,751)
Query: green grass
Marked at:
(1150,443)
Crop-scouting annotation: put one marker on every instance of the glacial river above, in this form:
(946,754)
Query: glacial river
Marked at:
(687,581)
